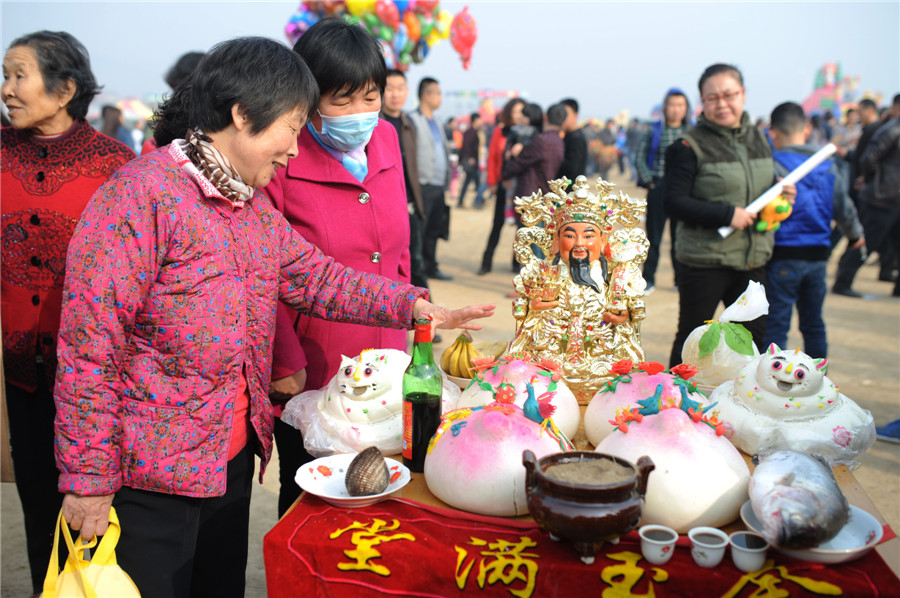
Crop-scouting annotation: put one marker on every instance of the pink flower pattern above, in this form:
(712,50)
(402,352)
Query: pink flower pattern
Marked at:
(842,436)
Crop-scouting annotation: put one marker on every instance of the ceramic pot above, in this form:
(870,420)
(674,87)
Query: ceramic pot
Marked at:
(585,514)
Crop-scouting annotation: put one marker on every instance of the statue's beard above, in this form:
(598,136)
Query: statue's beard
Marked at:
(580,268)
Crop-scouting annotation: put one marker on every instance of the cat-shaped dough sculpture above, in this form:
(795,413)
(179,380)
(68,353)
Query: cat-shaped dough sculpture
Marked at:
(361,406)
(782,400)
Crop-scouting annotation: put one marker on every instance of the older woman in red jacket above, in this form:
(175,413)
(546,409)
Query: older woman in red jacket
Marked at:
(52,161)
(345,193)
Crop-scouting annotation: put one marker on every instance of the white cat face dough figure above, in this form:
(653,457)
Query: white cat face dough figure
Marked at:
(783,400)
(361,406)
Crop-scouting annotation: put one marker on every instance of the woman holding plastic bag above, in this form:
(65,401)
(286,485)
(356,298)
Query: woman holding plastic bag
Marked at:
(172,282)
(713,172)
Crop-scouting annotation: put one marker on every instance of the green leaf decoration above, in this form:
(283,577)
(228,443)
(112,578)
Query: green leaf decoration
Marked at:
(486,386)
(738,338)
(710,339)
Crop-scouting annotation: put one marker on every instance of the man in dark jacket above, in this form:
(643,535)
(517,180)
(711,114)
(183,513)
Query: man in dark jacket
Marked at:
(395,92)
(574,143)
(879,165)
(468,158)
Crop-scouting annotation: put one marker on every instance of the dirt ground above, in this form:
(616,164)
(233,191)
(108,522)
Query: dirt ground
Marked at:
(864,339)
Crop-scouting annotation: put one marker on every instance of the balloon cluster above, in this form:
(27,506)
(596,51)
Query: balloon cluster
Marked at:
(406,29)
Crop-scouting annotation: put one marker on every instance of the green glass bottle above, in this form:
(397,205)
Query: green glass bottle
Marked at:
(422,391)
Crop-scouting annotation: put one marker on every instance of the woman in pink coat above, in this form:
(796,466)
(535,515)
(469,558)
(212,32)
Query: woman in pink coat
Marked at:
(346,194)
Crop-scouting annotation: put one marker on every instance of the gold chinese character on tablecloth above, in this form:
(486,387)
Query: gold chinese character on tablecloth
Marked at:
(366,538)
(766,582)
(623,578)
(502,561)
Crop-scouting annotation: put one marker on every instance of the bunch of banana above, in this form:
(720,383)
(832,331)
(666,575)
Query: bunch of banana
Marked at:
(457,358)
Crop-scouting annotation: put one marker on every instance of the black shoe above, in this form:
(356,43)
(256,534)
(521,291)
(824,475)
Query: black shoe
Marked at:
(483,270)
(438,275)
(847,293)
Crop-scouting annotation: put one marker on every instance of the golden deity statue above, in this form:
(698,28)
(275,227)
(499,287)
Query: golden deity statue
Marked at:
(580,286)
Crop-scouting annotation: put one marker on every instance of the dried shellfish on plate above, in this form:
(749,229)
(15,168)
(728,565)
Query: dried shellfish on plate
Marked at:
(326,478)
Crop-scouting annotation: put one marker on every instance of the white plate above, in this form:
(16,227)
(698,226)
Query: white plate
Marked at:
(324,477)
(861,533)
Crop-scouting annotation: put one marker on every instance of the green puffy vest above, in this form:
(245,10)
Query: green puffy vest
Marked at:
(734,166)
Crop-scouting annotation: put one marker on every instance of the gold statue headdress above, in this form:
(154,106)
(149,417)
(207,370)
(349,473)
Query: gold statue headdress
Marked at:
(543,215)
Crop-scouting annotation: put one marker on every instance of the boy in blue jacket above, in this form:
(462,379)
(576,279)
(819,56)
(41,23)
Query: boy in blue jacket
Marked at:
(796,271)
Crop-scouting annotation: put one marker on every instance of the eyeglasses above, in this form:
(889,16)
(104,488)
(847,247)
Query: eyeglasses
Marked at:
(728,96)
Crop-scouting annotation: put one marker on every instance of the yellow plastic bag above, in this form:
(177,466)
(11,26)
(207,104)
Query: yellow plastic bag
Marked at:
(100,577)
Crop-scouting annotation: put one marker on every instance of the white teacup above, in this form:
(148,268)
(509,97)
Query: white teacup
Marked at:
(748,550)
(657,543)
(707,546)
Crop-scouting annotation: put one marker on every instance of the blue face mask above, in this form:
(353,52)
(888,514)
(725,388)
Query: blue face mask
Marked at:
(346,133)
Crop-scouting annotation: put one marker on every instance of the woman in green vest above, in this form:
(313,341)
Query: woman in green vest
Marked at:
(712,173)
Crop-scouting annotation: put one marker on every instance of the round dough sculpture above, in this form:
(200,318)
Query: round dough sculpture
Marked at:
(700,478)
(518,371)
(782,400)
(623,392)
(361,406)
(474,460)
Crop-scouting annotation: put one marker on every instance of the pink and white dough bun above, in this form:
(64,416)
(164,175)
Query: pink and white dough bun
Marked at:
(700,479)
(474,461)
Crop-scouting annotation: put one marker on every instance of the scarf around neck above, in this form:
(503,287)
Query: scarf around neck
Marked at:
(216,167)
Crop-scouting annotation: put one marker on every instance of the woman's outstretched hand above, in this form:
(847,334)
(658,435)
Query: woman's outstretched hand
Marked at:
(441,317)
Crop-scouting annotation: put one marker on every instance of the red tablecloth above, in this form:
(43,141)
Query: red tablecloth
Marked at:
(400,547)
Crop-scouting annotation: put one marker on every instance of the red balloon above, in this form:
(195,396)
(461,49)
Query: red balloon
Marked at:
(463,33)
(388,13)
(424,6)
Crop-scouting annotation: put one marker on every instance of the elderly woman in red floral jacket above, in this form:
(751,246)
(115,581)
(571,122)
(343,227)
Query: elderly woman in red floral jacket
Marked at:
(52,161)
(169,311)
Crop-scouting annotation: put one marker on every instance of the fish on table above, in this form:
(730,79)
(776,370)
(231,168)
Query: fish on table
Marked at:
(797,500)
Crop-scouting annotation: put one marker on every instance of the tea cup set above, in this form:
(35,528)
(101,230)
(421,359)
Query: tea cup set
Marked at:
(748,548)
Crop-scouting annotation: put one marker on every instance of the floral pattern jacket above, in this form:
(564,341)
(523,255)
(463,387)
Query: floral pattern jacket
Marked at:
(170,295)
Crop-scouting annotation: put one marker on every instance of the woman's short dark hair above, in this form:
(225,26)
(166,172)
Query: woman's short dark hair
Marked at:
(717,69)
(262,76)
(343,58)
(61,58)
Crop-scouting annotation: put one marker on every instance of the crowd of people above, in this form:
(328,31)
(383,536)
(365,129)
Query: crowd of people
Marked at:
(159,310)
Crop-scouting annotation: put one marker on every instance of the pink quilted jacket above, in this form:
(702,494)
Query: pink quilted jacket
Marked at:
(169,295)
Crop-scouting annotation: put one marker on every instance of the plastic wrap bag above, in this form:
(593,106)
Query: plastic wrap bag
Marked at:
(350,414)
(718,349)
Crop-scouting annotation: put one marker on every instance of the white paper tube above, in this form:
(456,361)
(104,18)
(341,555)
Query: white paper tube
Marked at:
(791,178)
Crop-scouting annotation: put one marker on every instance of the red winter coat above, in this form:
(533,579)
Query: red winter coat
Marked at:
(364,226)
(46,183)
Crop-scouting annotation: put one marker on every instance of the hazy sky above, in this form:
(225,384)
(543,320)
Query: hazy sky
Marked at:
(610,55)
